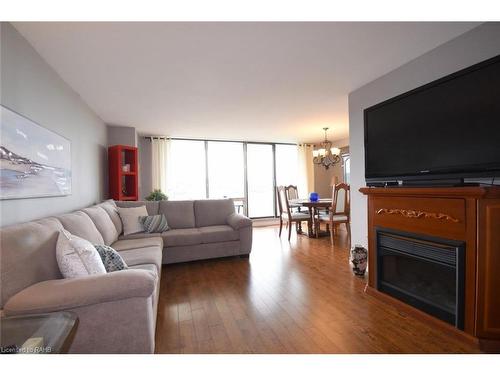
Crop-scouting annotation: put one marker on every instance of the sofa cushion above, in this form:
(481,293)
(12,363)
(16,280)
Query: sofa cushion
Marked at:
(110,207)
(139,235)
(137,243)
(80,224)
(181,237)
(27,255)
(179,214)
(144,255)
(77,257)
(104,224)
(151,206)
(212,211)
(218,233)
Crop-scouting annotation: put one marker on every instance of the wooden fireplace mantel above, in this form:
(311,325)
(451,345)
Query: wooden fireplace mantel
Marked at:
(466,191)
(468,214)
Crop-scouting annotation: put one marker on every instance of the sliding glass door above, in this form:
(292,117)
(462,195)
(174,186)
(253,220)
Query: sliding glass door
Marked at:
(226,170)
(287,165)
(260,180)
(186,172)
(245,171)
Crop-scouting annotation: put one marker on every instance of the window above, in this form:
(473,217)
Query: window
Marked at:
(199,169)
(287,172)
(226,170)
(186,175)
(260,172)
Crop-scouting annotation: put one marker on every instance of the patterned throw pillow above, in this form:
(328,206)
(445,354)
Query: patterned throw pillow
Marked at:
(76,257)
(110,258)
(154,223)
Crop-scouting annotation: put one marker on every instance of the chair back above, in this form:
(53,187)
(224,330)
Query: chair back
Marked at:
(341,199)
(279,199)
(292,192)
(283,203)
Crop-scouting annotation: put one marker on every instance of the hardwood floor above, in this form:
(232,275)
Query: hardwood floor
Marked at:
(297,297)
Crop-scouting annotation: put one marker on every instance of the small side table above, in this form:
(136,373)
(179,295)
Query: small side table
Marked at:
(38,334)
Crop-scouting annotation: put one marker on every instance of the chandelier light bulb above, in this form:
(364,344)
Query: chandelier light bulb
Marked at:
(335,151)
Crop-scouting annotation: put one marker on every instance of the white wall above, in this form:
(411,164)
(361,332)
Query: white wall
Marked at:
(470,48)
(145,166)
(30,87)
(122,135)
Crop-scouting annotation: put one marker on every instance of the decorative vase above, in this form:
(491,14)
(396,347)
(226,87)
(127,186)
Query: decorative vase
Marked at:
(314,197)
(358,260)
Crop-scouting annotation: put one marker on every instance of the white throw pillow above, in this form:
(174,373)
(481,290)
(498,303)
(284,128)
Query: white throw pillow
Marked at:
(130,219)
(77,257)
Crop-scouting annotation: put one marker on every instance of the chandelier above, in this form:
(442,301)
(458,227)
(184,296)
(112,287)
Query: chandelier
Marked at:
(326,155)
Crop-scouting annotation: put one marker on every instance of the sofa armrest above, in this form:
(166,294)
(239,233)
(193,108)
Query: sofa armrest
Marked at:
(238,221)
(67,294)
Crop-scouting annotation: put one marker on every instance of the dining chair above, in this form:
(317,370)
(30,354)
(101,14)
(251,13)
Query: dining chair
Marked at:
(293,193)
(286,214)
(339,212)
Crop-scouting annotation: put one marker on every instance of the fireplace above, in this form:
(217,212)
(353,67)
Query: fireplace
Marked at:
(425,272)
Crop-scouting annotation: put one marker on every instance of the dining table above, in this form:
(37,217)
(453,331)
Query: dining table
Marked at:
(313,207)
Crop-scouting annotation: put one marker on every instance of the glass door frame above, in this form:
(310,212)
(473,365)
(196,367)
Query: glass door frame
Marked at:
(245,143)
(346,157)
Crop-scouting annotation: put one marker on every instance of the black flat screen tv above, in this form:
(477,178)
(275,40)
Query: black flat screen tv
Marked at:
(447,129)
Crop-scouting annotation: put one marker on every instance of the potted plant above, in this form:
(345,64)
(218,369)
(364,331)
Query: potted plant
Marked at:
(156,195)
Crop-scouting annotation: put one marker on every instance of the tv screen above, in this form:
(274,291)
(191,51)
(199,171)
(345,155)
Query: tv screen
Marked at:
(449,127)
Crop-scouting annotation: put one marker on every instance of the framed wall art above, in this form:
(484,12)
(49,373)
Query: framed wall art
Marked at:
(34,161)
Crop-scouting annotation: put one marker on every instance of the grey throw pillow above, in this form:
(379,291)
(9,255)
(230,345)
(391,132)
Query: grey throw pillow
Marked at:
(110,258)
(154,223)
(130,219)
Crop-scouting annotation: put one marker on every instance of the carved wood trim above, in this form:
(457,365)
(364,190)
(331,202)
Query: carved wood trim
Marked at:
(414,214)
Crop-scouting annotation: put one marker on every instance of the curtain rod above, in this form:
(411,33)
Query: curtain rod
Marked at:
(151,137)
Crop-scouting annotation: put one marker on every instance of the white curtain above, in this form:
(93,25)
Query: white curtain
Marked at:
(306,170)
(160,148)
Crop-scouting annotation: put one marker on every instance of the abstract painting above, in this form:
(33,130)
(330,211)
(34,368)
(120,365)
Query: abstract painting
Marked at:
(34,161)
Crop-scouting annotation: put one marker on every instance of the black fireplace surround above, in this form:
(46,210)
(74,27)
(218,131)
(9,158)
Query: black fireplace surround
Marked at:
(425,272)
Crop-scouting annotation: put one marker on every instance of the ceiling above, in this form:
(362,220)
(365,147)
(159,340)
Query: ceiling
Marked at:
(247,81)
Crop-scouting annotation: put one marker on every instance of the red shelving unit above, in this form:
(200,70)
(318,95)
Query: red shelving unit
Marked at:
(123,185)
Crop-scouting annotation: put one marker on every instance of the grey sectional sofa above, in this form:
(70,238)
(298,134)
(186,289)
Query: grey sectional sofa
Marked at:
(117,311)
(200,229)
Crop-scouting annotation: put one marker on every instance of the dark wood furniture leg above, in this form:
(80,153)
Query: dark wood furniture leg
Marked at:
(310,227)
(299,227)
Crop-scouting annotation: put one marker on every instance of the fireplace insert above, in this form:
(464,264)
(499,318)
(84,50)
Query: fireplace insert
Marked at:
(425,272)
